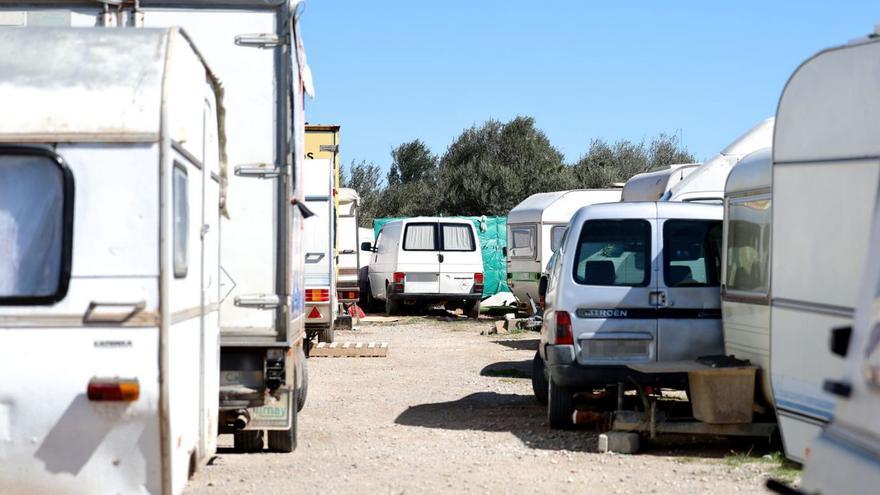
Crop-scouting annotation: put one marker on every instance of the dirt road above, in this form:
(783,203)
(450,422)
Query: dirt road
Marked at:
(450,410)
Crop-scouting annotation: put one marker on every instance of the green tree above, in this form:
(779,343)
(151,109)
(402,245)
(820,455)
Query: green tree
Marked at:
(412,182)
(365,178)
(604,164)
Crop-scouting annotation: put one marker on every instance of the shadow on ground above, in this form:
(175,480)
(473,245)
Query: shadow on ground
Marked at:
(509,369)
(521,344)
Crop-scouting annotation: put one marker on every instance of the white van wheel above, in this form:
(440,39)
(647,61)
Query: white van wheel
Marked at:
(472,310)
(391,307)
(285,440)
(303,389)
(560,406)
(539,379)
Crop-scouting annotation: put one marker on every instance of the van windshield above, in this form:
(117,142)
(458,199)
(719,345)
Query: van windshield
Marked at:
(692,253)
(614,253)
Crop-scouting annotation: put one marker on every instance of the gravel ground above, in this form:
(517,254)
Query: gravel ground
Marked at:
(450,410)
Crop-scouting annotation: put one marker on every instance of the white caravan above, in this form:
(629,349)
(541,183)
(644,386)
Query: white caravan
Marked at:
(826,167)
(427,260)
(706,183)
(633,283)
(651,186)
(745,267)
(110,186)
(319,246)
(534,230)
(348,260)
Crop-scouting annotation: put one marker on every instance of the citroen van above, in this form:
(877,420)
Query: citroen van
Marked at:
(426,260)
(634,283)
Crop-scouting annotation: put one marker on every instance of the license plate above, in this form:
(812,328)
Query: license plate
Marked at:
(270,412)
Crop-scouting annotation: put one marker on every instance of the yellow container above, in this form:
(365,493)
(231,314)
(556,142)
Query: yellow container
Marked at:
(722,395)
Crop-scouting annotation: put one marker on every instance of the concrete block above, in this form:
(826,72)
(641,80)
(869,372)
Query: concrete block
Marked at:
(620,442)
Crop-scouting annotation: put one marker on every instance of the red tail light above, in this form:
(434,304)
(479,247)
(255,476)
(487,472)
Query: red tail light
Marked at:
(478,283)
(113,389)
(348,294)
(317,295)
(563,329)
(399,277)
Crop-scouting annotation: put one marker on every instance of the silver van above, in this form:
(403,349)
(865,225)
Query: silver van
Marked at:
(634,282)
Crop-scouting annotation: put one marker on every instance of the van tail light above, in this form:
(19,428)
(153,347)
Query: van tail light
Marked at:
(399,282)
(317,295)
(113,389)
(563,329)
(478,283)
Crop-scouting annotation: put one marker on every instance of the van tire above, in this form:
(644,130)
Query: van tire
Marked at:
(284,441)
(539,379)
(248,440)
(303,389)
(392,307)
(369,301)
(560,406)
(472,310)
(327,334)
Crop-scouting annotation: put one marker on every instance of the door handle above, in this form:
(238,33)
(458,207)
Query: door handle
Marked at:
(440,257)
(657,298)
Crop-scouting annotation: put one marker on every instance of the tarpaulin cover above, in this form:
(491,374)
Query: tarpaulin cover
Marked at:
(492,233)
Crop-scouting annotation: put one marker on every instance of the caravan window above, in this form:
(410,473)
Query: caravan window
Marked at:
(36,226)
(420,237)
(556,234)
(458,237)
(692,253)
(614,253)
(180,193)
(521,241)
(747,266)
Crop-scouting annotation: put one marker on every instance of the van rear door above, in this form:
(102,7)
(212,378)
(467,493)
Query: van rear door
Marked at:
(459,258)
(688,298)
(419,258)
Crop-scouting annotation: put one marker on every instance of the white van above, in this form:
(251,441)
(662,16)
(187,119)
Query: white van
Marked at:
(634,282)
(427,260)
(534,230)
(110,187)
(745,273)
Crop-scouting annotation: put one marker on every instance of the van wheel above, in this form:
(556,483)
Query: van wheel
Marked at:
(369,301)
(391,307)
(472,310)
(539,379)
(327,334)
(248,440)
(303,389)
(560,406)
(284,441)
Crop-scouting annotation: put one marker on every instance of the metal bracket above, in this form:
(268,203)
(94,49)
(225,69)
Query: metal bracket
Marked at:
(332,148)
(258,301)
(257,170)
(260,40)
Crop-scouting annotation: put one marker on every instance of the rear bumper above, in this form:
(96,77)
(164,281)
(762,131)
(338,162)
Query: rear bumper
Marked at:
(566,372)
(404,296)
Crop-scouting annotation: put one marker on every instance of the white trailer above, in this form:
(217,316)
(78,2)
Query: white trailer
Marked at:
(348,259)
(534,231)
(255,48)
(110,183)
(826,167)
(319,247)
(651,186)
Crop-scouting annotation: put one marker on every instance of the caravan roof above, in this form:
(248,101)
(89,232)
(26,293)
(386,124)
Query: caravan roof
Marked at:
(651,186)
(752,173)
(559,206)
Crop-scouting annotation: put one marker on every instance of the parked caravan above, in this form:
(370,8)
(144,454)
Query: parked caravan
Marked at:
(320,264)
(634,283)
(110,188)
(745,272)
(348,261)
(426,260)
(825,176)
(534,230)
(651,186)
(706,183)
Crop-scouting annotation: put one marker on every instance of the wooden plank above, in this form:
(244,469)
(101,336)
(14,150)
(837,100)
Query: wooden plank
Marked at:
(350,349)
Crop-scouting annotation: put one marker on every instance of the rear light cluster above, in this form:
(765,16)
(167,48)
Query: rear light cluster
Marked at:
(317,295)
(478,283)
(399,282)
(113,389)
(563,329)
(348,294)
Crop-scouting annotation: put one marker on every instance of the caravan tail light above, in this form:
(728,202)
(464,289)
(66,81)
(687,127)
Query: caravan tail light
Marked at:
(348,294)
(114,389)
(317,295)
(478,282)
(563,329)
(399,281)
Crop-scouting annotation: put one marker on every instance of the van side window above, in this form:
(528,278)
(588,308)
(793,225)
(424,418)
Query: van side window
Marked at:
(691,253)
(457,237)
(614,253)
(420,237)
(521,241)
(36,226)
(556,234)
(180,201)
(748,246)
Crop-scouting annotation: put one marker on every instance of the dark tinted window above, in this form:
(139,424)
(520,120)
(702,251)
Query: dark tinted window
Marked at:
(691,253)
(614,253)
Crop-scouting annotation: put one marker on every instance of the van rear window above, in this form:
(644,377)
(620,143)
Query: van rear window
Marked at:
(36,226)
(420,237)
(614,253)
(457,237)
(692,253)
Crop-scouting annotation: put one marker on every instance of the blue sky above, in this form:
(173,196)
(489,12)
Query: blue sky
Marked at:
(392,71)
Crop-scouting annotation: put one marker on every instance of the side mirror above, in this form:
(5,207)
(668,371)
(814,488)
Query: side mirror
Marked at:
(366,246)
(504,251)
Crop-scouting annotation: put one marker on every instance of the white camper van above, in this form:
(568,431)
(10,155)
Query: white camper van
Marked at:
(427,260)
(825,176)
(348,260)
(652,186)
(534,230)
(320,263)
(745,273)
(634,283)
(110,186)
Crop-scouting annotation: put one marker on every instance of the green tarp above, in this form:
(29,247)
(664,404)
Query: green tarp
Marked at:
(492,232)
